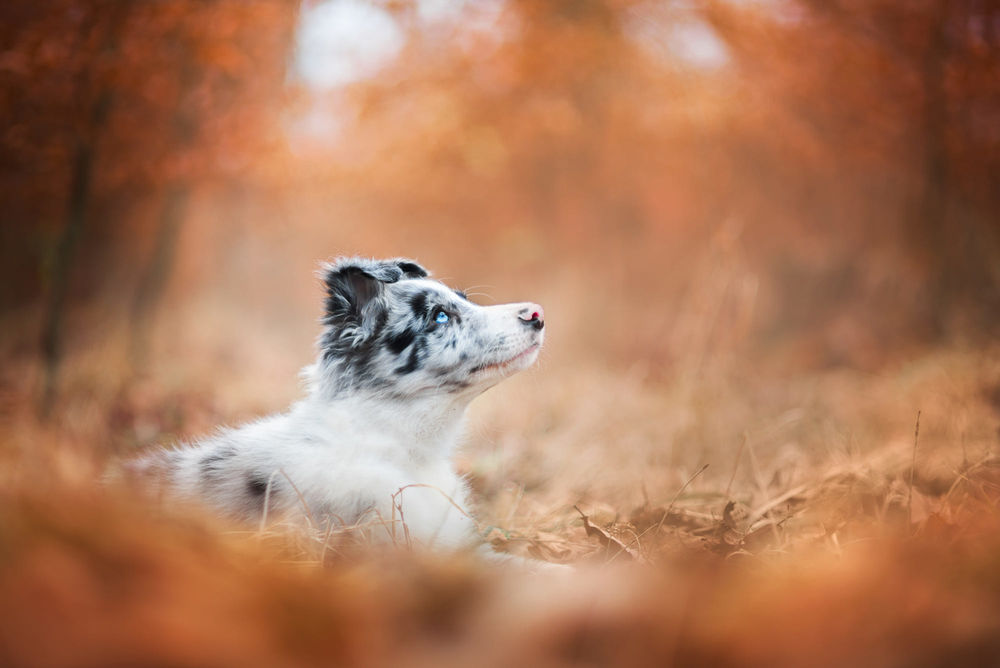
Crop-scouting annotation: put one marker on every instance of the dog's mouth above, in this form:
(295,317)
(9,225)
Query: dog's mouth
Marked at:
(509,362)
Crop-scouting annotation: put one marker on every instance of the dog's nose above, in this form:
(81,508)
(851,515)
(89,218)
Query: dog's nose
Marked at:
(533,316)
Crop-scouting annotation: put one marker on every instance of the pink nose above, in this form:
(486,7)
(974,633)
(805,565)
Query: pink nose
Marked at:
(533,316)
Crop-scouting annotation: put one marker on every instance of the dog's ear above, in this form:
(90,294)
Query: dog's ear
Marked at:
(354,287)
(410,268)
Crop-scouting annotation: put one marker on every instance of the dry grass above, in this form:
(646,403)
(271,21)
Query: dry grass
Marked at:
(717,508)
(727,517)
(742,269)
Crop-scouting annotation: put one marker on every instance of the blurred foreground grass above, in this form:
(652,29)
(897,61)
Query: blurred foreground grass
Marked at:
(735,517)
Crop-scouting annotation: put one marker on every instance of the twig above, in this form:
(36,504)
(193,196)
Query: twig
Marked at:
(302,499)
(514,506)
(913,465)
(666,513)
(670,506)
(446,496)
(267,500)
(768,506)
(736,465)
(326,541)
(397,504)
(389,526)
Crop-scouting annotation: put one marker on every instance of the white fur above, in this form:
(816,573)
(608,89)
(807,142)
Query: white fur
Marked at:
(358,455)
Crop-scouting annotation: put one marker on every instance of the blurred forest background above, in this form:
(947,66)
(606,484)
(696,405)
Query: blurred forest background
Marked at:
(766,233)
(828,172)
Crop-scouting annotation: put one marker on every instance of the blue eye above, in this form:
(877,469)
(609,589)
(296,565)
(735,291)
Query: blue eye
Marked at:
(441,318)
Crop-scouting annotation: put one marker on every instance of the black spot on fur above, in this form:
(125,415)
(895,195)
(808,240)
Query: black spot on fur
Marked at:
(462,295)
(359,355)
(400,342)
(414,361)
(257,485)
(418,303)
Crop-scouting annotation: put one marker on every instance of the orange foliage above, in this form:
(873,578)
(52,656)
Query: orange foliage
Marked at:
(764,235)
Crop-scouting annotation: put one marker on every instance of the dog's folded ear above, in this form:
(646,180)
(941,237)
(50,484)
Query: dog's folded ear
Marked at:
(353,289)
(410,268)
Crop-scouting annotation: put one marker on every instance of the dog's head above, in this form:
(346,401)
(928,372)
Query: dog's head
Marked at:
(389,328)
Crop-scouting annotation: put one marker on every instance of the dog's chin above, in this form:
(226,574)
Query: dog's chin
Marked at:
(511,365)
(525,359)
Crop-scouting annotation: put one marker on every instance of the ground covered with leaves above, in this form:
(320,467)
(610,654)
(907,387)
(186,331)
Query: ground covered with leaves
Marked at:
(726,518)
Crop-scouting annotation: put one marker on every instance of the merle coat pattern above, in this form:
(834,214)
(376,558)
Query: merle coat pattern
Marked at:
(401,356)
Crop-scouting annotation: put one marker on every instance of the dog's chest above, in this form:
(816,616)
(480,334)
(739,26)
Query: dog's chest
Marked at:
(404,479)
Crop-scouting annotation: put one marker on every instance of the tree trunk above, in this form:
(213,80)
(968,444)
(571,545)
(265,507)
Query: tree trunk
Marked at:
(936,243)
(81,179)
(84,157)
(154,280)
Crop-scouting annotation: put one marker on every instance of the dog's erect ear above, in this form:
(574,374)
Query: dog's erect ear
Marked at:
(354,285)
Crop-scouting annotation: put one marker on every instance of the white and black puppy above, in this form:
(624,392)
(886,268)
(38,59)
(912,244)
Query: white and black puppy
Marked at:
(401,356)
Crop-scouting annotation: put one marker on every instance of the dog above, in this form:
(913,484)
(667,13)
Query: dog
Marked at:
(400,358)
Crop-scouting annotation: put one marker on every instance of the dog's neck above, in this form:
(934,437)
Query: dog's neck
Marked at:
(417,430)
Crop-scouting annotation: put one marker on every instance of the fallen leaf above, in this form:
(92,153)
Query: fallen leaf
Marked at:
(612,545)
